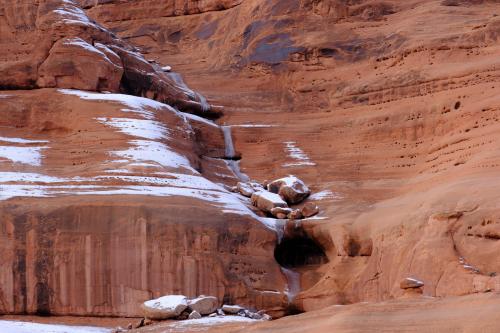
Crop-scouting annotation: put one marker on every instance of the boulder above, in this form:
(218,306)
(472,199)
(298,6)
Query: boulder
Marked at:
(204,304)
(266,201)
(249,188)
(194,315)
(165,307)
(295,214)
(232,309)
(291,189)
(280,212)
(74,63)
(310,209)
(410,283)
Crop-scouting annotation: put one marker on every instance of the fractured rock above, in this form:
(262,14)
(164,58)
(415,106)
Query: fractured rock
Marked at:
(247,189)
(266,201)
(74,63)
(165,307)
(232,309)
(291,189)
(410,283)
(310,209)
(204,304)
(194,315)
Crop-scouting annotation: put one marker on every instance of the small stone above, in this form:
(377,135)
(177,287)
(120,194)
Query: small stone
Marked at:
(249,188)
(295,215)
(410,283)
(184,315)
(212,315)
(232,309)
(194,315)
(265,316)
(280,212)
(309,209)
(254,315)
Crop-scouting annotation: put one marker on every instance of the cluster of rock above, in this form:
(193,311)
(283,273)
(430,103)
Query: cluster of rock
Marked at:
(275,197)
(181,308)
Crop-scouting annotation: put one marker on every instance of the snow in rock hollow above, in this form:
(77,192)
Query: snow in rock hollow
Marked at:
(212,321)
(133,103)
(27,327)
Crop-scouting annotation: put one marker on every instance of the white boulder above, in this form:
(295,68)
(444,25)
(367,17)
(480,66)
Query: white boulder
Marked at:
(165,307)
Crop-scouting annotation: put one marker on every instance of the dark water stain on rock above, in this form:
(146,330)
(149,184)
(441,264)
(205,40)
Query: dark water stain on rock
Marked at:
(274,49)
(207,30)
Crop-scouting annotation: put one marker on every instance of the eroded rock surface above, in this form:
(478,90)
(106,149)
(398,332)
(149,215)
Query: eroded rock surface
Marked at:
(392,118)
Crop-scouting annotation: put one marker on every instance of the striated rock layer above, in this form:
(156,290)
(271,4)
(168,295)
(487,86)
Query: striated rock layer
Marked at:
(389,109)
(103,208)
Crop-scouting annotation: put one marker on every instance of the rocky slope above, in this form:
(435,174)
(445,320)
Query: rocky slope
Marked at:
(388,109)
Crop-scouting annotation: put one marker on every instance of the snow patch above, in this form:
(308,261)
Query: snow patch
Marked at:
(300,158)
(19,140)
(323,195)
(143,128)
(152,151)
(27,327)
(213,321)
(24,155)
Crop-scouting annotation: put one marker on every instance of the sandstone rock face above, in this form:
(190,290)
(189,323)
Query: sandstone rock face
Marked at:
(392,120)
(99,195)
(165,307)
(74,63)
(73,51)
(266,201)
(204,305)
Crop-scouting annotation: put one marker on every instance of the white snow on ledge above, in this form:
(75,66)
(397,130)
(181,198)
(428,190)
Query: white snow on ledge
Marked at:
(143,128)
(212,321)
(136,104)
(24,155)
(28,327)
(300,158)
(19,140)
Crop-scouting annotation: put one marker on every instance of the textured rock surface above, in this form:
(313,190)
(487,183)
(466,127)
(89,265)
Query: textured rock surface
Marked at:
(102,208)
(388,109)
(165,307)
(204,304)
